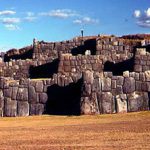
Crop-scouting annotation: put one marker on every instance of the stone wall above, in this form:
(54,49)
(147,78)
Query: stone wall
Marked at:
(28,97)
(115,45)
(45,50)
(78,64)
(101,93)
(105,93)
(142,60)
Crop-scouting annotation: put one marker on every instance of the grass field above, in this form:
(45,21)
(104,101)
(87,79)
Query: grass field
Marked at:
(118,131)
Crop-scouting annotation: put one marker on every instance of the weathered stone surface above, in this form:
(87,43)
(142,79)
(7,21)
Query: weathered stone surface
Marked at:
(120,80)
(1,103)
(148,86)
(43,98)
(138,85)
(88,77)
(33,96)
(126,74)
(86,106)
(147,75)
(107,103)
(138,101)
(10,109)
(23,108)
(114,84)
(96,86)
(87,90)
(121,102)
(94,104)
(119,89)
(129,85)
(36,109)
(22,94)
(2,82)
(14,93)
(106,85)
(8,92)
(39,86)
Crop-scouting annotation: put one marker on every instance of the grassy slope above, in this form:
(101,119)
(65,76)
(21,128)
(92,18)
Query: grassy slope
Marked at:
(118,131)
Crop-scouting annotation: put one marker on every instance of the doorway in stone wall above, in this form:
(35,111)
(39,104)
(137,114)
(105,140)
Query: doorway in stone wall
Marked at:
(64,100)
(88,45)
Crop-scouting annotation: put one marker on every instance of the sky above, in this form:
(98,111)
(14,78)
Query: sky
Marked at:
(58,20)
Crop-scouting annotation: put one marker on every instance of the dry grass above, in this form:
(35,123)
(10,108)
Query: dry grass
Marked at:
(118,131)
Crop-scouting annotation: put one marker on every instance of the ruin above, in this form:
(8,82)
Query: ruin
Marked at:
(85,75)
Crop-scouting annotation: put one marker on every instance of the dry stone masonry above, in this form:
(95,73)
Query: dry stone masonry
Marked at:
(85,75)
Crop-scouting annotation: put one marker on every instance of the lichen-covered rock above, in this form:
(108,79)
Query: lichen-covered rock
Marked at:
(129,85)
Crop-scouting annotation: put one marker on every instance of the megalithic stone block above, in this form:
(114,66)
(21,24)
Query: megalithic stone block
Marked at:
(107,102)
(129,85)
(106,85)
(86,106)
(36,109)
(88,77)
(10,108)
(22,94)
(138,101)
(1,103)
(33,96)
(121,101)
(23,108)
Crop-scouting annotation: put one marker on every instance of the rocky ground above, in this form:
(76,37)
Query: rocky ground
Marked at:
(117,131)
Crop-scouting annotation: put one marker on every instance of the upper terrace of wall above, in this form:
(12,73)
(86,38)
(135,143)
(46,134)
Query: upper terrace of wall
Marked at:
(107,48)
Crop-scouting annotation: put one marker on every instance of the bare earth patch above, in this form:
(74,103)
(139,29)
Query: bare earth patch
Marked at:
(107,132)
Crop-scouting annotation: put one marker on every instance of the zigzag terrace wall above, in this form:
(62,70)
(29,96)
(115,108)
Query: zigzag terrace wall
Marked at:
(105,93)
(89,75)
